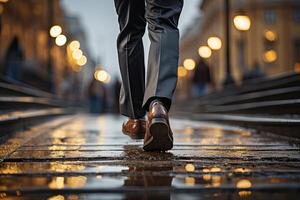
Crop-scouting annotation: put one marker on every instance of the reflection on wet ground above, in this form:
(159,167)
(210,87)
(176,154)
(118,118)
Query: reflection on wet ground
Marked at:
(89,158)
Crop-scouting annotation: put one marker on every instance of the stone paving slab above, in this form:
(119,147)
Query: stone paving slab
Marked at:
(89,158)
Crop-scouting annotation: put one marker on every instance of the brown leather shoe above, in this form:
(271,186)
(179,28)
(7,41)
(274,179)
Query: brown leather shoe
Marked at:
(159,136)
(134,128)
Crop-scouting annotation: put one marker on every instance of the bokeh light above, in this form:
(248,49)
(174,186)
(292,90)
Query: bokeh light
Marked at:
(77,54)
(244,183)
(74,45)
(242,22)
(270,56)
(204,52)
(189,167)
(102,76)
(61,40)
(214,43)
(189,64)
(270,36)
(55,31)
(82,61)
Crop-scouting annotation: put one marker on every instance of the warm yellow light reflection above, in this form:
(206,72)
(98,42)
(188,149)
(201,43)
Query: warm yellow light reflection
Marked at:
(215,169)
(241,170)
(3,1)
(190,180)
(206,177)
(77,54)
(204,52)
(216,181)
(57,197)
(189,64)
(74,45)
(214,43)
(82,61)
(189,168)
(76,181)
(270,35)
(270,56)
(102,76)
(244,183)
(57,183)
(61,40)
(242,22)
(245,193)
(188,130)
(55,31)
(182,72)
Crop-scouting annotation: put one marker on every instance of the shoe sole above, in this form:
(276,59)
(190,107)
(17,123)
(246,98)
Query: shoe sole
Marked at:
(160,138)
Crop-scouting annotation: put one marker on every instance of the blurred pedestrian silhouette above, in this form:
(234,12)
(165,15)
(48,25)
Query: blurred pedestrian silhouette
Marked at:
(14,61)
(201,79)
(254,72)
(97,96)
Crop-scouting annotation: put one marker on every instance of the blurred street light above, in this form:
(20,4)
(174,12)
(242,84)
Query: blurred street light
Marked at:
(204,52)
(242,22)
(189,64)
(270,36)
(270,56)
(55,31)
(74,45)
(82,61)
(214,43)
(182,72)
(77,54)
(61,40)
(102,76)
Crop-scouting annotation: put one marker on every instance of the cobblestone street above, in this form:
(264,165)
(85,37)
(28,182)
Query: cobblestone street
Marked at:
(88,157)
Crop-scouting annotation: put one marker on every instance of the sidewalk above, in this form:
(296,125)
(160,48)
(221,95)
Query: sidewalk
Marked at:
(88,157)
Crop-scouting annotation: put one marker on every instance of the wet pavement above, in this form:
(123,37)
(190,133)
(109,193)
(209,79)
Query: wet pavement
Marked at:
(88,157)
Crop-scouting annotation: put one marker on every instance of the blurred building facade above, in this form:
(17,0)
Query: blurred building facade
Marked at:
(29,54)
(271,45)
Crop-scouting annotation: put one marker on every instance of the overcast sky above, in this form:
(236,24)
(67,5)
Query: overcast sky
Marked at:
(100,22)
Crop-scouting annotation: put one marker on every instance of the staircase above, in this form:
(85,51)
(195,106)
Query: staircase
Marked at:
(267,104)
(22,106)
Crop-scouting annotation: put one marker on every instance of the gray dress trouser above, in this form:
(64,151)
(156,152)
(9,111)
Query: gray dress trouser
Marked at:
(162,18)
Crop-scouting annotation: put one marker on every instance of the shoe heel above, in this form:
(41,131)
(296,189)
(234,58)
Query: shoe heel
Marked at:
(160,131)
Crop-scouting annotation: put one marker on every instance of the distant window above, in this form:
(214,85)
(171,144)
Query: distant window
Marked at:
(296,16)
(270,17)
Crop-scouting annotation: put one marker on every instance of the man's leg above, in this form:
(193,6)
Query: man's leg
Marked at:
(131,56)
(162,17)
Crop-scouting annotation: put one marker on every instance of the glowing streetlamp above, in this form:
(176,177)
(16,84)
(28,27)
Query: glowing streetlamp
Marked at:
(204,52)
(270,36)
(55,31)
(102,76)
(242,22)
(61,40)
(189,64)
(214,43)
(77,54)
(82,61)
(270,56)
(74,45)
